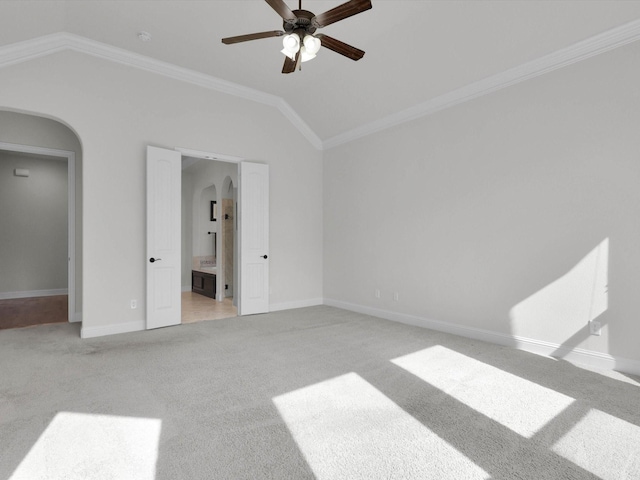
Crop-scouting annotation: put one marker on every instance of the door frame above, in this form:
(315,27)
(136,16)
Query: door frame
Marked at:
(71,214)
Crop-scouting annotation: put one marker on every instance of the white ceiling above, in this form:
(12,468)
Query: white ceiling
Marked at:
(415,50)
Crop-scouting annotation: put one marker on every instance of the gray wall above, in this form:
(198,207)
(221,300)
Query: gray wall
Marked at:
(34,219)
(495,214)
(36,131)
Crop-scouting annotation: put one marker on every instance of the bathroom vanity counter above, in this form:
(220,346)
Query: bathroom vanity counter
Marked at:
(203,281)
(210,270)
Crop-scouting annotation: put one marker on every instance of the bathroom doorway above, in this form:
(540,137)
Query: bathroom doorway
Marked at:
(209,199)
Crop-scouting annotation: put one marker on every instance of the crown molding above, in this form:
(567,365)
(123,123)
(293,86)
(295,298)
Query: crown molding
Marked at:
(57,42)
(32,49)
(603,42)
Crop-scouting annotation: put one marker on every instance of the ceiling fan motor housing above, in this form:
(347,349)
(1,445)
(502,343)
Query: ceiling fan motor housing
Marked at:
(303,22)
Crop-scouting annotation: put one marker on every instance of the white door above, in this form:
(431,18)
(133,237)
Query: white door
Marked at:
(254,238)
(163,237)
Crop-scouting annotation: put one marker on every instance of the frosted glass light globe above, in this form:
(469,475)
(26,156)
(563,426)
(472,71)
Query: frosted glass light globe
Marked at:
(305,56)
(291,44)
(312,44)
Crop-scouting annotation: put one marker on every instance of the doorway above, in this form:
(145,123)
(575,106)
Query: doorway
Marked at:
(209,239)
(38,255)
(169,259)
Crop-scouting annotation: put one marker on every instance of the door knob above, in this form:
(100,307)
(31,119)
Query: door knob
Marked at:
(154,259)
(264,256)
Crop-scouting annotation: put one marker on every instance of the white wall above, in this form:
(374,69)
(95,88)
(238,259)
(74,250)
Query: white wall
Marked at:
(117,111)
(36,131)
(495,214)
(33,215)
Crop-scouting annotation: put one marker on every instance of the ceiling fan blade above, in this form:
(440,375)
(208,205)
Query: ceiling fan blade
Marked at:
(341,12)
(252,36)
(291,65)
(340,47)
(285,12)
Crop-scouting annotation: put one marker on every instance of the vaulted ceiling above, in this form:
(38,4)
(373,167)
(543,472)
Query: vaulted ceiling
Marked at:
(416,51)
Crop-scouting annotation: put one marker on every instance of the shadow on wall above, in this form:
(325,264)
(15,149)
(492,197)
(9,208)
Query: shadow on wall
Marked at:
(569,304)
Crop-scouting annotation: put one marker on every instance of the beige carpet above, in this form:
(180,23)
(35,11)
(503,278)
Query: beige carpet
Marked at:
(310,393)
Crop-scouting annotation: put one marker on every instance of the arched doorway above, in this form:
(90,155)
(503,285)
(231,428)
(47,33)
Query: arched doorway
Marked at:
(40,252)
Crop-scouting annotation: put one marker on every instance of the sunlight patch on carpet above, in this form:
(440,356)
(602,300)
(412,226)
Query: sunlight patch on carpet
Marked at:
(604,445)
(80,446)
(514,402)
(346,428)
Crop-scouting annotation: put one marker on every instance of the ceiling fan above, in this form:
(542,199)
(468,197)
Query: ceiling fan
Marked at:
(300,43)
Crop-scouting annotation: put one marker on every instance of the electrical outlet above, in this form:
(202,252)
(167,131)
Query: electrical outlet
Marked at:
(595,327)
(396,296)
(377,293)
(134,304)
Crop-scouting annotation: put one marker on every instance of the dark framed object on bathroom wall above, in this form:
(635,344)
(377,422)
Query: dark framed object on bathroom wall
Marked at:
(214,210)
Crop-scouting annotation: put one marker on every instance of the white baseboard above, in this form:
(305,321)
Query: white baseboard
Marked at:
(77,317)
(33,293)
(91,332)
(578,356)
(311,302)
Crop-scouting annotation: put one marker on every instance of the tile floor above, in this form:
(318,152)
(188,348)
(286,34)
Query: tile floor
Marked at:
(196,308)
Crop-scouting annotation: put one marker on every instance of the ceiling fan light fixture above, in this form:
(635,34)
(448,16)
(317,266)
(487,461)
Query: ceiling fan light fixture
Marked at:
(288,54)
(305,56)
(312,44)
(291,44)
